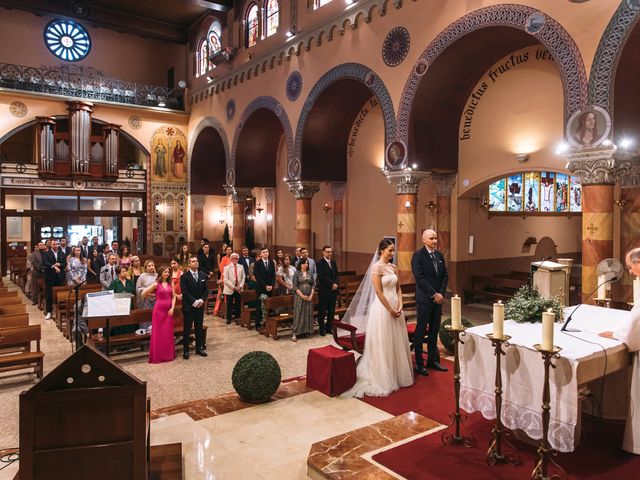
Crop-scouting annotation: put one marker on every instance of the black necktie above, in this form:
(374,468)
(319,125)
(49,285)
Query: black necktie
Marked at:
(435,263)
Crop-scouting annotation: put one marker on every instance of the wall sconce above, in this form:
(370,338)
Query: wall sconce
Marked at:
(621,202)
(530,241)
(431,205)
(326,208)
(522,157)
(259,208)
(407,204)
(221,219)
(251,217)
(485,203)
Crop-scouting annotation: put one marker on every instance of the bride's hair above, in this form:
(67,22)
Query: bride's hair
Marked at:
(384,244)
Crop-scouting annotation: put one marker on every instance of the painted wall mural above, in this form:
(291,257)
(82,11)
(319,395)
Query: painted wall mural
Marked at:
(168,155)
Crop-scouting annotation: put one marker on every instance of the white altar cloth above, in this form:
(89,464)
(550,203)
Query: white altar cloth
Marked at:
(523,372)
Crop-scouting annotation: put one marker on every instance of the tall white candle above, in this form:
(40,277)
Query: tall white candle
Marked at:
(636,291)
(456,313)
(602,287)
(498,319)
(548,319)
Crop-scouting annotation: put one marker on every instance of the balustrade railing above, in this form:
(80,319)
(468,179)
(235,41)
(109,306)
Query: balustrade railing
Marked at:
(88,83)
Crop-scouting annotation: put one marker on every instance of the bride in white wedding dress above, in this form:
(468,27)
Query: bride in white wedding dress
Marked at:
(376,309)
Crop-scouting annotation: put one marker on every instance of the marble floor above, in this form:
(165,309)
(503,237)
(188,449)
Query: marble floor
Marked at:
(222,438)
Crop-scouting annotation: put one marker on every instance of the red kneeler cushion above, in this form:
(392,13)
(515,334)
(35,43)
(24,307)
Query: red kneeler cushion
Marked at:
(345,341)
(330,370)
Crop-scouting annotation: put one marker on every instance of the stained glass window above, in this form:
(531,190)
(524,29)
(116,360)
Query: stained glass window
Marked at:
(203,57)
(545,192)
(497,196)
(67,40)
(252,25)
(272,17)
(214,36)
(532,191)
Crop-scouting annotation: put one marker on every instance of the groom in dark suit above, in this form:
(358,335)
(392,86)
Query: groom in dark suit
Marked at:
(265,272)
(431,276)
(328,281)
(193,284)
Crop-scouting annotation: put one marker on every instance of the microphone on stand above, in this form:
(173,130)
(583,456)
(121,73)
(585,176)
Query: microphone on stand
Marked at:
(564,327)
(531,271)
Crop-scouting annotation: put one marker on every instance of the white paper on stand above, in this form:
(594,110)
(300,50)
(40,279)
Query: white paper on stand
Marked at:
(123,303)
(101,304)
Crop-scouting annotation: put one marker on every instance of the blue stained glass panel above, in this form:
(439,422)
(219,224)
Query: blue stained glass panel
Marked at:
(497,195)
(575,202)
(562,192)
(547,192)
(532,191)
(514,193)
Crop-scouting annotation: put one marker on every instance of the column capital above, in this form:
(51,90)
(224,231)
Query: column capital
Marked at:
(302,190)
(237,194)
(46,120)
(76,105)
(406,181)
(338,190)
(599,165)
(444,184)
(198,201)
(269,194)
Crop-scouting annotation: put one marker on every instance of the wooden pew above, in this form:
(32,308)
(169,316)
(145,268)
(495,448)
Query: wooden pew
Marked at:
(12,337)
(14,321)
(13,309)
(246,311)
(275,321)
(10,300)
(64,305)
(492,287)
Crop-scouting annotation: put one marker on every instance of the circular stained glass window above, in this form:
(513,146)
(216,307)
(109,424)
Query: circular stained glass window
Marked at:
(67,40)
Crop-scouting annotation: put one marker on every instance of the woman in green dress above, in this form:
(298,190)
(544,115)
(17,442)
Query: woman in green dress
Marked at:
(122,284)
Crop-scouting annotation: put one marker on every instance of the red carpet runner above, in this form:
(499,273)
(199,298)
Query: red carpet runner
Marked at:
(599,457)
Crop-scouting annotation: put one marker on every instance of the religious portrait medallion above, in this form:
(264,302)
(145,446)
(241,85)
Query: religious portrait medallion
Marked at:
(534,23)
(294,86)
(588,128)
(396,155)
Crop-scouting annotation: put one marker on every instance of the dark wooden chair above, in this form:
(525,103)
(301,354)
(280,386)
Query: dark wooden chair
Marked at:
(12,354)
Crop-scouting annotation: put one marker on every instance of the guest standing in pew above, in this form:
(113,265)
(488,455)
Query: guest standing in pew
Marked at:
(35,258)
(284,276)
(328,281)
(233,284)
(64,247)
(54,262)
(108,272)
(224,261)
(93,269)
(431,276)
(629,333)
(122,284)
(302,301)
(103,258)
(176,273)
(264,271)
(194,293)
(246,260)
(162,348)
(124,257)
(146,279)
(135,270)
(183,257)
(95,245)
(76,268)
(206,261)
(312,264)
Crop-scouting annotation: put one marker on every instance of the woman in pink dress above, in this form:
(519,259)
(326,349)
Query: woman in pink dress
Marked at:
(162,348)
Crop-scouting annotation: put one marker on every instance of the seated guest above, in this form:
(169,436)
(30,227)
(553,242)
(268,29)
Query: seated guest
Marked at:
(162,348)
(629,333)
(233,283)
(284,276)
(76,268)
(108,272)
(146,279)
(303,300)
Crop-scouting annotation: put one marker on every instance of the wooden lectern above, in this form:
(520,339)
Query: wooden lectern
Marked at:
(550,278)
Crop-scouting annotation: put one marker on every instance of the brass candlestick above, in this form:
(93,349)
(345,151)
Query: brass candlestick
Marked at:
(602,302)
(457,419)
(496,454)
(630,304)
(545,452)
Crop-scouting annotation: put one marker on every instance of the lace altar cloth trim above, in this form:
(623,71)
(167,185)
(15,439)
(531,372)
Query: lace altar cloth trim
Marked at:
(517,417)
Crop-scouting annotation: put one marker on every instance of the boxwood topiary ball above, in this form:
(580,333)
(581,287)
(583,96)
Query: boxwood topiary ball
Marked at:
(256,377)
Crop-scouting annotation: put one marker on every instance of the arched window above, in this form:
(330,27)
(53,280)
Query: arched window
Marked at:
(272,17)
(252,25)
(203,57)
(319,3)
(214,36)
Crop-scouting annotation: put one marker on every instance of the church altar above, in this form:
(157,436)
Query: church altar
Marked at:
(522,372)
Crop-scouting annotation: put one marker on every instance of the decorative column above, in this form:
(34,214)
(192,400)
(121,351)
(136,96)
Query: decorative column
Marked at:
(80,136)
(197,207)
(598,169)
(337,190)
(303,192)
(238,197)
(269,197)
(406,183)
(444,186)
(111,143)
(45,144)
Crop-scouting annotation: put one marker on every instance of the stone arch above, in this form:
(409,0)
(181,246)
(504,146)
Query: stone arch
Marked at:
(605,62)
(552,35)
(345,71)
(217,126)
(262,103)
